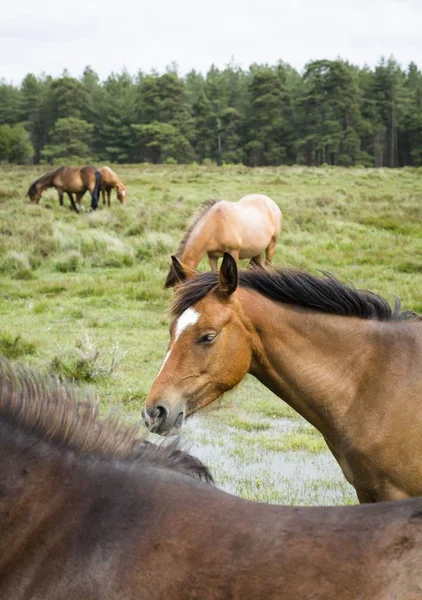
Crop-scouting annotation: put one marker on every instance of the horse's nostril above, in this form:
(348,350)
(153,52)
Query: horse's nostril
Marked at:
(161,413)
(155,416)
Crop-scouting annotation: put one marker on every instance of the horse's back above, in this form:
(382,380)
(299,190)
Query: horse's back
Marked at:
(108,175)
(248,225)
(261,212)
(261,208)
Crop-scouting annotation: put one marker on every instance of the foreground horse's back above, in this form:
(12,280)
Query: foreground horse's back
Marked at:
(89,510)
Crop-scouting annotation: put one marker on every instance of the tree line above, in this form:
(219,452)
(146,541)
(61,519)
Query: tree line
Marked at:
(332,113)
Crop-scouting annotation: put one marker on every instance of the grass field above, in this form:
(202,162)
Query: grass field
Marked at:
(72,285)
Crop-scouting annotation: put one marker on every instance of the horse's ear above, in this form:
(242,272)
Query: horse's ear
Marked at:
(228,278)
(182,271)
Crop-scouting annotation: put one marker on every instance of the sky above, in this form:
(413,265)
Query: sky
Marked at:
(52,35)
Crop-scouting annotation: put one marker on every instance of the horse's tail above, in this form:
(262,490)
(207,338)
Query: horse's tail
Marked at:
(96,192)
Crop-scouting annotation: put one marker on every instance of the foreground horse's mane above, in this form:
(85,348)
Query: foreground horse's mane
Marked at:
(61,415)
(291,286)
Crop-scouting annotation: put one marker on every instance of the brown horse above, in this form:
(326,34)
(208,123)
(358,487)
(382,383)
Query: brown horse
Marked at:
(88,510)
(72,180)
(342,358)
(245,229)
(110,181)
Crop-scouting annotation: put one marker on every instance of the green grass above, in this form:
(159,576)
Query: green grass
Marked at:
(14,345)
(63,276)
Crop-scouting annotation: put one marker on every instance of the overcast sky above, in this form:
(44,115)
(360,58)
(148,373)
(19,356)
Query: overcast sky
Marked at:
(50,35)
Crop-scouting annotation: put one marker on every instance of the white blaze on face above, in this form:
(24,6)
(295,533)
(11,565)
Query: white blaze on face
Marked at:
(189,317)
(186,319)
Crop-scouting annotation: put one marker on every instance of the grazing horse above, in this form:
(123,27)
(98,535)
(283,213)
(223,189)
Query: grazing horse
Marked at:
(110,181)
(244,229)
(342,358)
(89,510)
(72,180)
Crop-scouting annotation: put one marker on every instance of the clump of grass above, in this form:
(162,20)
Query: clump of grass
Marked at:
(69,263)
(105,250)
(310,442)
(117,258)
(14,346)
(16,264)
(238,423)
(85,361)
(153,244)
(65,237)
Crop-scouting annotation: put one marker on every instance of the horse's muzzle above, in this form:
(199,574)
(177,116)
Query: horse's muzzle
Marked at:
(158,420)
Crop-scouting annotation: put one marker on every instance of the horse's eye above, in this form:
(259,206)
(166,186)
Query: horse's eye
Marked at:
(207,338)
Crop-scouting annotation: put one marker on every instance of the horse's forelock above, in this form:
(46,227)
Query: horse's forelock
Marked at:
(192,290)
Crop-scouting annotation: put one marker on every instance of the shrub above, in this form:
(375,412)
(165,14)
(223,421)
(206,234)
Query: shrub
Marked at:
(85,363)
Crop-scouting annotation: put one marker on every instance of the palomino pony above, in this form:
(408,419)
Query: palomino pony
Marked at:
(342,358)
(88,510)
(72,180)
(110,181)
(245,229)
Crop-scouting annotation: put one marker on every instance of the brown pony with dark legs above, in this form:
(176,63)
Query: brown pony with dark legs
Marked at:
(110,181)
(342,358)
(89,510)
(72,180)
(245,229)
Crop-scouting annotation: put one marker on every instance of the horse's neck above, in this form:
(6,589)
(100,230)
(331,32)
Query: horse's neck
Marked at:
(195,247)
(312,360)
(46,181)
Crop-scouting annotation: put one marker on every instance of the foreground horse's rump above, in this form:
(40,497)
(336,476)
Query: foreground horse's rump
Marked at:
(245,229)
(72,180)
(89,511)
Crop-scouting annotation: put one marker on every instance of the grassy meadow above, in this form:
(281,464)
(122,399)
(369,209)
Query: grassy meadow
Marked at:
(82,295)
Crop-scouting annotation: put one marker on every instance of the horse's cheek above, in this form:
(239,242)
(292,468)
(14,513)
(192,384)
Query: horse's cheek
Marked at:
(239,358)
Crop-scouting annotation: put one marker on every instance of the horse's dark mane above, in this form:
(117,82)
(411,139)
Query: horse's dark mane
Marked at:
(206,206)
(33,186)
(291,286)
(64,417)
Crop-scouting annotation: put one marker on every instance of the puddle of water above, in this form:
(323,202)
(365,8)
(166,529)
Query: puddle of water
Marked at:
(243,468)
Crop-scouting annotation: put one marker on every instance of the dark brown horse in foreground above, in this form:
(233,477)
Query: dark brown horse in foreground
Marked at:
(90,511)
(342,358)
(72,180)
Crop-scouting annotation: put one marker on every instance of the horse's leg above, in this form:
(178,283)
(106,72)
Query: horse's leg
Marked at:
(79,197)
(109,197)
(60,193)
(72,202)
(269,251)
(213,262)
(257,260)
(103,194)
